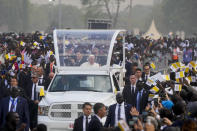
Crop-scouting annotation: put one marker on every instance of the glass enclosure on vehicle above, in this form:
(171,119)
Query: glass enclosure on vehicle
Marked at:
(95,83)
(83,48)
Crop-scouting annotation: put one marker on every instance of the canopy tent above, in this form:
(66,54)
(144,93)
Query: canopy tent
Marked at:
(152,33)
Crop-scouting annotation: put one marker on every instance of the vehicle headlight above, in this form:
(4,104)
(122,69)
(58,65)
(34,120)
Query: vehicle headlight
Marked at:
(43,110)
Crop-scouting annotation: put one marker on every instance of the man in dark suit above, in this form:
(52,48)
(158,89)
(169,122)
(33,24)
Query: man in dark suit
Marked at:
(79,59)
(23,78)
(14,83)
(81,123)
(142,98)
(119,111)
(50,67)
(147,73)
(15,103)
(40,72)
(4,86)
(138,74)
(48,80)
(12,119)
(100,111)
(131,69)
(33,100)
(130,91)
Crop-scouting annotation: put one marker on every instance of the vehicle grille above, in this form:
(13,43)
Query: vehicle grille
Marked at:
(61,114)
(62,106)
(65,111)
(80,106)
(80,114)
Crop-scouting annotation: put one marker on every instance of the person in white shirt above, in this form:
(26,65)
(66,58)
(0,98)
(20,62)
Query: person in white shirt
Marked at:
(91,62)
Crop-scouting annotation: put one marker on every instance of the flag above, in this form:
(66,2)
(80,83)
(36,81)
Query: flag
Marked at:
(115,91)
(123,125)
(152,96)
(35,43)
(12,56)
(174,67)
(192,63)
(41,92)
(21,66)
(167,77)
(186,69)
(51,53)
(41,37)
(178,64)
(177,87)
(149,82)
(22,43)
(180,74)
(7,56)
(153,65)
(193,78)
(155,89)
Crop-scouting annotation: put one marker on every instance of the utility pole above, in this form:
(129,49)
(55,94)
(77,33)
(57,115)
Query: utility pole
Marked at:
(60,15)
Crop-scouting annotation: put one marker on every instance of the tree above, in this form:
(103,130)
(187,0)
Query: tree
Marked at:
(177,15)
(14,13)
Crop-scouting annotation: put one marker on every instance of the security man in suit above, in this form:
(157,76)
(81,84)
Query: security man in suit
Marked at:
(130,91)
(118,111)
(33,99)
(147,73)
(100,112)
(81,123)
(15,103)
(142,98)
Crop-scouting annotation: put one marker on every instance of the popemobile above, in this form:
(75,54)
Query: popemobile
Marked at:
(90,67)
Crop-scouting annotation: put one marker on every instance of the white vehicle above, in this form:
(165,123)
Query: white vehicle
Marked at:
(74,84)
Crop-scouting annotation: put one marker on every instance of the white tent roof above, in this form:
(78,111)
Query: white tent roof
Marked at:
(153,33)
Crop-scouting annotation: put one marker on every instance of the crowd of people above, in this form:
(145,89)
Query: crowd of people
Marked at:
(163,51)
(149,101)
(27,61)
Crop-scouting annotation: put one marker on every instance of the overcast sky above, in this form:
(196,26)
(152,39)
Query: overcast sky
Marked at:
(78,3)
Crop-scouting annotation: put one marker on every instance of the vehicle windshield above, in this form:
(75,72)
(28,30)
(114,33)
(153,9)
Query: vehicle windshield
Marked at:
(95,83)
(75,47)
